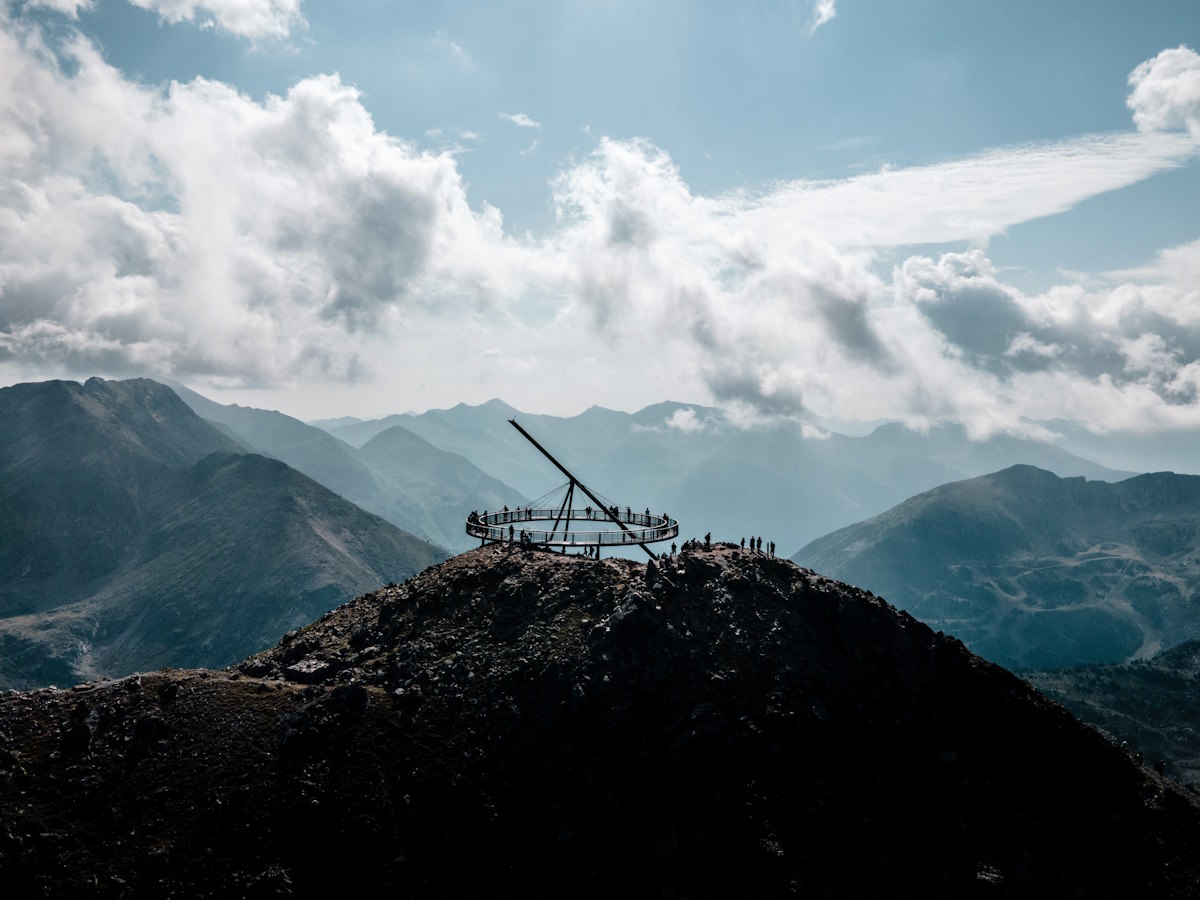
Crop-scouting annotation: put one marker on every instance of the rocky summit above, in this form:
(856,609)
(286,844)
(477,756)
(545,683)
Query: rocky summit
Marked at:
(714,724)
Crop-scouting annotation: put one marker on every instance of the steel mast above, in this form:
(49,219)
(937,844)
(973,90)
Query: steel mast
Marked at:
(575,482)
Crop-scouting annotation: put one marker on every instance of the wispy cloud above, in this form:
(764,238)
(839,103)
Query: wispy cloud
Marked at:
(533,146)
(442,39)
(968,199)
(851,143)
(521,119)
(823,11)
(69,8)
(253,19)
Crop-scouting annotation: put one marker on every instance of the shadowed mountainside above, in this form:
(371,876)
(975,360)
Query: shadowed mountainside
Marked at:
(1152,704)
(531,723)
(79,464)
(132,538)
(1035,571)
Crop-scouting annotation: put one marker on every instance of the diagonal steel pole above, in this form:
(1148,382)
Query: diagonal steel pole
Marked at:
(583,487)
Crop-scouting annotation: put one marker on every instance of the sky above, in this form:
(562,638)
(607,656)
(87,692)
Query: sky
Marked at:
(840,210)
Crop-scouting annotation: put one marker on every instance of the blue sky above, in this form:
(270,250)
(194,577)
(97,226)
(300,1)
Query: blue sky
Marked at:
(364,207)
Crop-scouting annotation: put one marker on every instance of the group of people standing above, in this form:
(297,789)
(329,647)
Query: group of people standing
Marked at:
(756,545)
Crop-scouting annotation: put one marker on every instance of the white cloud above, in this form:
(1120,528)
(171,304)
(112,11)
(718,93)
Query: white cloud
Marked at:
(1024,342)
(1100,350)
(520,119)
(253,19)
(974,198)
(823,11)
(69,8)
(1180,265)
(195,231)
(1166,92)
(685,420)
(779,320)
(204,232)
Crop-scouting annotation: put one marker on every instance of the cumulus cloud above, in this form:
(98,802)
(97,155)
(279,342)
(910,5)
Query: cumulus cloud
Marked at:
(1115,358)
(647,256)
(205,232)
(1166,92)
(777,319)
(192,230)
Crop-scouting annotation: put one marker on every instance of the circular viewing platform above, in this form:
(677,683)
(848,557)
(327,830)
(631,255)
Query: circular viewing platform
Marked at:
(601,528)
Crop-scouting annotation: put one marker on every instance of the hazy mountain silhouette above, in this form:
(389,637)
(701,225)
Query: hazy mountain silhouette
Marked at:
(440,487)
(133,538)
(411,483)
(1173,450)
(529,724)
(785,481)
(1035,571)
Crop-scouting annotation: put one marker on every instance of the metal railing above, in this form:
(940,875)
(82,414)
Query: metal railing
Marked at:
(507,525)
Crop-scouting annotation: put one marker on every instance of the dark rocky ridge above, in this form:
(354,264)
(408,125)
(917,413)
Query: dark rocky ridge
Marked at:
(507,722)
(1152,705)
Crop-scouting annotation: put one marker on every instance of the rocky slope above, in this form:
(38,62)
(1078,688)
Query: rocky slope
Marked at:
(1152,705)
(1035,571)
(713,725)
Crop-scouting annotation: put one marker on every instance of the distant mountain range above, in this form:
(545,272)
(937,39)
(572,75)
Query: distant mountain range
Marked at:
(1035,571)
(788,482)
(399,476)
(92,469)
(137,535)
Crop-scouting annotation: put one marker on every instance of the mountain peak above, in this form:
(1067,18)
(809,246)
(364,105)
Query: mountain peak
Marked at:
(708,724)
(1035,571)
